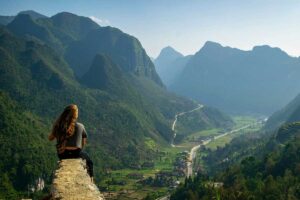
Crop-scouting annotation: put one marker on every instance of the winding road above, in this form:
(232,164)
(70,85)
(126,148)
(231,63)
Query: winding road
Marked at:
(194,149)
(175,121)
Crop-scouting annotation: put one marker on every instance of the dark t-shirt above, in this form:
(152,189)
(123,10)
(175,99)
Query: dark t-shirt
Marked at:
(76,139)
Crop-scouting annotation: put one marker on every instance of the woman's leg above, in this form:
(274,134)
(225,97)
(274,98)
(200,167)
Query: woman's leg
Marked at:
(89,163)
(68,154)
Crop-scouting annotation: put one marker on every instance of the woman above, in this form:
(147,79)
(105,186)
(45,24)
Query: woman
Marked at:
(71,137)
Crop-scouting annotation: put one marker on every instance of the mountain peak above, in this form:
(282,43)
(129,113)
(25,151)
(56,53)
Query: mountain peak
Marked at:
(210,48)
(21,20)
(64,14)
(66,17)
(211,45)
(33,14)
(102,73)
(265,50)
(169,51)
(76,26)
(167,55)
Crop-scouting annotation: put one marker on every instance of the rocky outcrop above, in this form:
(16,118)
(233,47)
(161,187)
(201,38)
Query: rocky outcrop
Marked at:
(71,182)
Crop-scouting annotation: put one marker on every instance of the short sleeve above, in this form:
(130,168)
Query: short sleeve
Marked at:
(84,134)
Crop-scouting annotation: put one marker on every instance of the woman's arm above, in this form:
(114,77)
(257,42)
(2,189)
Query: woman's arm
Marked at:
(84,137)
(83,142)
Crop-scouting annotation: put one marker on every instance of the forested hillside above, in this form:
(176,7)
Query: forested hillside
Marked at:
(270,171)
(48,63)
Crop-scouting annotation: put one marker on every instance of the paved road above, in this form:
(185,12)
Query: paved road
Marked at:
(175,121)
(205,142)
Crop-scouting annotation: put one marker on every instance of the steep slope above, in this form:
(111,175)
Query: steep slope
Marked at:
(25,155)
(4,20)
(80,39)
(290,113)
(25,26)
(125,50)
(73,25)
(34,15)
(103,73)
(259,81)
(169,64)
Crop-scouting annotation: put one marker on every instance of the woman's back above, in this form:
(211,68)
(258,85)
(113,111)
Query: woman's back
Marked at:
(76,139)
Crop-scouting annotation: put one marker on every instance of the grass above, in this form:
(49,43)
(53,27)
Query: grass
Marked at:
(240,121)
(220,142)
(164,162)
(194,138)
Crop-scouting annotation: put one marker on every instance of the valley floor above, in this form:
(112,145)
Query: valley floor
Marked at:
(170,168)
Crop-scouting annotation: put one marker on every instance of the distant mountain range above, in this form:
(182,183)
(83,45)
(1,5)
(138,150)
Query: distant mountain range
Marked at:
(169,64)
(259,81)
(47,63)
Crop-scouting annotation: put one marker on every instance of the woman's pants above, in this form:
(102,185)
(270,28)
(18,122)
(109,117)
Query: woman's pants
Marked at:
(78,153)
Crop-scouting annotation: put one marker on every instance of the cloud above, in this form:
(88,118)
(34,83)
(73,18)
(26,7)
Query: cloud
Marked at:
(101,22)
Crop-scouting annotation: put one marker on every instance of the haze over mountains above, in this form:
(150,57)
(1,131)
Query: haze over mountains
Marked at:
(259,81)
(169,64)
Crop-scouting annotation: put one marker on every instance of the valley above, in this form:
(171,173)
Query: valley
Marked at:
(175,163)
(218,123)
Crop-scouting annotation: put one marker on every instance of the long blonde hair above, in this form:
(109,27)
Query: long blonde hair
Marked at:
(64,126)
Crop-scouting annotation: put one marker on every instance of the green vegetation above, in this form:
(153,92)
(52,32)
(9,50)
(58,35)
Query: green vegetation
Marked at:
(124,106)
(256,165)
(240,123)
(272,173)
(204,119)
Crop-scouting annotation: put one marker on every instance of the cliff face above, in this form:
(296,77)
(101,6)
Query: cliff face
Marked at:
(71,182)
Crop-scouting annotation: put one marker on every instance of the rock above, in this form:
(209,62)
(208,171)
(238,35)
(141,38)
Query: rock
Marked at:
(71,182)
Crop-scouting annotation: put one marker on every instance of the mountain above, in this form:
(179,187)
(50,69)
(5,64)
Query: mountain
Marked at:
(125,50)
(121,100)
(73,25)
(259,81)
(4,20)
(34,15)
(79,39)
(103,73)
(25,26)
(167,55)
(288,114)
(169,64)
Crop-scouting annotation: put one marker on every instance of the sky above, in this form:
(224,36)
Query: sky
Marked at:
(185,24)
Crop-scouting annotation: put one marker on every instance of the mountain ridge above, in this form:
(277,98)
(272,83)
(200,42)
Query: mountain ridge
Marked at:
(226,77)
